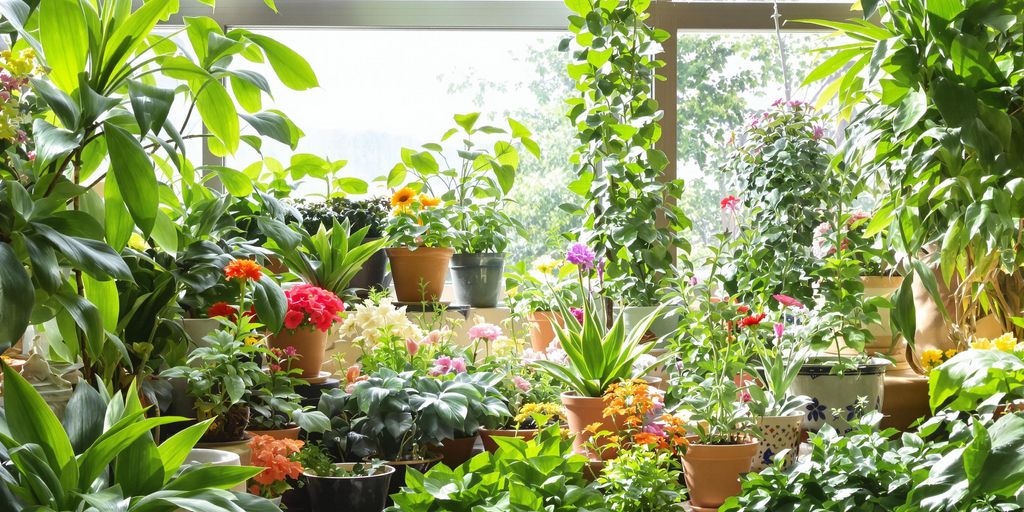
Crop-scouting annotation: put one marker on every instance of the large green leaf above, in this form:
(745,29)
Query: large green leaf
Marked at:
(59,101)
(218,112)
(94,461)
(31,420)
(291,68)
(150,105)
(127,36)
(270,304)
(213,477)
(17,297)
(64,35)
(175,449)
(52,143)
(103,294)
(83,417)
(94,257)
(136,179)
(116,217)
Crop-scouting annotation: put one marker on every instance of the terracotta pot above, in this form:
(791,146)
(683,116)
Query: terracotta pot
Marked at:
(581,411)
(778,433)
(310,343)
(592,470)
(419,274)
(487,436)
(541,331)
(713,472)
(228,427)
(454,452)
(282,433)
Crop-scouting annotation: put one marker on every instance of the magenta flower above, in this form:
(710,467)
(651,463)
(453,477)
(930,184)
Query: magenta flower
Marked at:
(458,365)
(819,132)
(788,301)
(779,329)
(581,256)
(577,313)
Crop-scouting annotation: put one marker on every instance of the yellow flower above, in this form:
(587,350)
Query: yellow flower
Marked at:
(252,340)
(1006,342)
(546,264)
(137,242)
(403,197)
(427,201)
(931,358)
(982,344)
(950,353)
(512,292)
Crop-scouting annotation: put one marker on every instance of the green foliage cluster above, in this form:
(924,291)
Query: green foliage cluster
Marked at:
(642,480)
(619,170)
(523,476)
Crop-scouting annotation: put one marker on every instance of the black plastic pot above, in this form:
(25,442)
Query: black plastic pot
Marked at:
(477,278)
(349,493)
(373,274)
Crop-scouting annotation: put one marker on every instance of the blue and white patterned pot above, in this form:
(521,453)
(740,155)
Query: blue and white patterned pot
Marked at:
(838,399)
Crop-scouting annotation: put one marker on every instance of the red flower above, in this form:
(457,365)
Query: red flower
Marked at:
(788,301)
(752,320)
(293,319)
(310,305)
(221,309)
(730,203)
(743,309)
(244,270)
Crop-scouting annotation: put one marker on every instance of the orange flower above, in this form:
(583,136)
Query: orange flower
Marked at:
(403,197)
(427,201)
(274,455)
(244,270)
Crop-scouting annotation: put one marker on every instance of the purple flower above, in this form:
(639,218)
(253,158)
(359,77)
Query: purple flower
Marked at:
(581,256)
(694,281)
(654,428)
(578,313)
(819,132)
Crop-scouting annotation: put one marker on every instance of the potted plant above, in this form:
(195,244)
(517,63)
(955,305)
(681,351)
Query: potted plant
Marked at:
(987,378)
(277,458)
(720,332)
(372,214)
(598,355)
(355,486)
(632,217)
(457,405)
(421,233)
(535,293)
(779,413)
(276,409)
(312,311)
(378,420)
(329,258)
(847,383)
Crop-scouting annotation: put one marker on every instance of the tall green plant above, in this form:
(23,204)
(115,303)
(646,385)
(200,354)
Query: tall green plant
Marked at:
(104,458)
(934,92)
(101,123)
(620,172)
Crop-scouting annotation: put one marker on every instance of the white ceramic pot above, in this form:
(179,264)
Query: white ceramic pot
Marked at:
(835,398)
(215,458)
(664,325)
(778,433)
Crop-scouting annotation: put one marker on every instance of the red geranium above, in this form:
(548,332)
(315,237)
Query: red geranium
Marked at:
(752,320)
(221,309)
(310,305)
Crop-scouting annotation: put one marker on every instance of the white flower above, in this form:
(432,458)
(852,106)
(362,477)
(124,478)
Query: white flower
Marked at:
(366,323)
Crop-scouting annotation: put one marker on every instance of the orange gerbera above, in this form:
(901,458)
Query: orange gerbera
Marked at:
(428,202)
(403,197)
(244,270)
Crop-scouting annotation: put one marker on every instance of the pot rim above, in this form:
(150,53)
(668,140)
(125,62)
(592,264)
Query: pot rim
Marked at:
(432,459)
(492,254)
(822,365)
(387,469)
(413,250)
(507,430)
(795,414)
(576,396)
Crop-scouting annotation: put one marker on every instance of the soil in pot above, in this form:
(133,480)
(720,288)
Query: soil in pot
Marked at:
(456,451)
(419,274)
(582,411)
(228,427)
(349,493)
(487,436)
(310,343)
(477,278)
(778,433)
(713,472)
(541,330)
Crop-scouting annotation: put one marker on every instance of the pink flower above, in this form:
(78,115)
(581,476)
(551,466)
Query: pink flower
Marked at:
(290,351)
(731,203)
(779,329)
(489,332)
(459,365)
(412,346)
(522,384)
(577,313)
(432,337)
(819,132)
(745,396)
(31,155)
(788,301)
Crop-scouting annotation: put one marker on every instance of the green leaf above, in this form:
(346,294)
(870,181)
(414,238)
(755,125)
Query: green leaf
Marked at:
(270,303)
(213,477)
(150,104)
(52,143)
(174,450)
(273,125)
(904,313)
(103,295)
(64,35)
(957,103)
(116,217)
(62,105)
(83,418)
(945,9)
(30,420)
(466,121)
(234,181)
(294,72)
(94,257)
(913,108)
(17,297)
(136,179)
(217,109)
(977,451)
